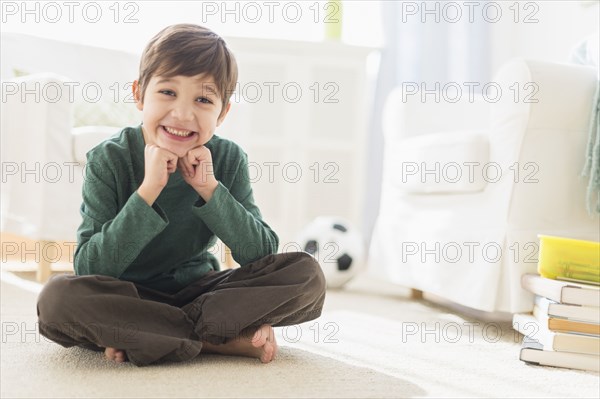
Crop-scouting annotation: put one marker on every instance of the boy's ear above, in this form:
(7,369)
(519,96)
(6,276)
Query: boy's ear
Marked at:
(135,88)
(223,115)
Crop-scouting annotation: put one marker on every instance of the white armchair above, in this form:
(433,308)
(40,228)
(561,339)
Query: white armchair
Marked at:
(43,160)
(468,185)
(54,109)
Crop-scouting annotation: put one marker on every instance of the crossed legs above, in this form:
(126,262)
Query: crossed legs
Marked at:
(232,312)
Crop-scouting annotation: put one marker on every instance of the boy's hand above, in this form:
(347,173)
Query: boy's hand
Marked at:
(158,164)
(197,170)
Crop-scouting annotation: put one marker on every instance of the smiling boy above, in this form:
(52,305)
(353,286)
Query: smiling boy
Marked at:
(155,199)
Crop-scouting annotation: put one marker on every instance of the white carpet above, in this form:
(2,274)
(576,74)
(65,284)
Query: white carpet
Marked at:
(364,345)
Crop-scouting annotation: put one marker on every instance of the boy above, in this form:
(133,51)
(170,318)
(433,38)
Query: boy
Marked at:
(155,199)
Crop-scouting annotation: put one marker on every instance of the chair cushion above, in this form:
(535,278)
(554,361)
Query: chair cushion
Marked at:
(444,162)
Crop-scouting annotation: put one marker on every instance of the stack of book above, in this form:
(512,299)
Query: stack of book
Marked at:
(564,329)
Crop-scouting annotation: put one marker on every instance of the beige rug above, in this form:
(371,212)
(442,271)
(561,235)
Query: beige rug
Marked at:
(364,346)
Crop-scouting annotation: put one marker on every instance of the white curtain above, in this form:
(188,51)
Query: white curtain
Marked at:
(430,46)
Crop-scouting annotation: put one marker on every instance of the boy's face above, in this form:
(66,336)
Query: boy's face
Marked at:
(180,112)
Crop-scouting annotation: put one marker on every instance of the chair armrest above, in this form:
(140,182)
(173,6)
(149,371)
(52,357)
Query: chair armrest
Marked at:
(557,96)
(544,139)
(37,114)
(87,137)
(37,163)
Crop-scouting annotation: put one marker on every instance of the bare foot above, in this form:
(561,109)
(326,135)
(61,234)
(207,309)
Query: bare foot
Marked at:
(261,345)
(118,355)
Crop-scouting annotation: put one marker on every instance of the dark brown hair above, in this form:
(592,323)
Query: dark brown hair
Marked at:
(189,50)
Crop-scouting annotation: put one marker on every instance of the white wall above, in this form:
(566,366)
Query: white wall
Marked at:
(561,25)
(128,25)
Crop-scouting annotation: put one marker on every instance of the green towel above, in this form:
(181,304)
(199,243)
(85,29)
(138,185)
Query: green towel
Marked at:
(585,53)
(591,169)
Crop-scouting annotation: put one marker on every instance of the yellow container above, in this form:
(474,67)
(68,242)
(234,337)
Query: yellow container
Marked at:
(569,259)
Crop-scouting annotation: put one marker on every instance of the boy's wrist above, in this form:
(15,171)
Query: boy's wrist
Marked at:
(148,195)
(207,191)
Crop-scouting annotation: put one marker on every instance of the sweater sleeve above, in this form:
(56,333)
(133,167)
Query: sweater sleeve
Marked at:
(109,239)
(235,218)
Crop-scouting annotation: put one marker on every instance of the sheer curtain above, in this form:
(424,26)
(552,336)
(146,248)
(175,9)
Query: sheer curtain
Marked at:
(425,48)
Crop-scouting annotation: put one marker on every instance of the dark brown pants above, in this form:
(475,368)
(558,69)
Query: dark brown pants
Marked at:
(98,311)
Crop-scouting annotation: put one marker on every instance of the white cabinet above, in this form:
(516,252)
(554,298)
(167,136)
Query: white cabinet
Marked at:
(300,112)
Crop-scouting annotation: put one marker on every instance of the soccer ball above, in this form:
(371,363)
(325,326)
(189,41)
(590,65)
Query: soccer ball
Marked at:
(337,246)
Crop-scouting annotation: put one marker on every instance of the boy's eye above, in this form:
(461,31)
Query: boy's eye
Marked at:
(171,93)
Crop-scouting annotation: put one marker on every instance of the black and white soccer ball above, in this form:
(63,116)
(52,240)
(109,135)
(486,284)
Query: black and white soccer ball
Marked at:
(337,246)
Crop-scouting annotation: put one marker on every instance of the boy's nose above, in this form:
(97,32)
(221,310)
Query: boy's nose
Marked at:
(183,112)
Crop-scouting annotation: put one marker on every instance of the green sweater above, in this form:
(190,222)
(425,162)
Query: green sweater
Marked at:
(165,246)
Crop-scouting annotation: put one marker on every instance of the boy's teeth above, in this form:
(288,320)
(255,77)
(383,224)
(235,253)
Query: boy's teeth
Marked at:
(176,132)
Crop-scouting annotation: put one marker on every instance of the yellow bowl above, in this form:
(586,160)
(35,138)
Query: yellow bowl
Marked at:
(569,259)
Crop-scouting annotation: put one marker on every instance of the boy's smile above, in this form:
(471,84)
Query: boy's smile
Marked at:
(179,112)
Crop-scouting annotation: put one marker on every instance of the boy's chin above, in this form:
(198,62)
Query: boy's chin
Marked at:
(180,151)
